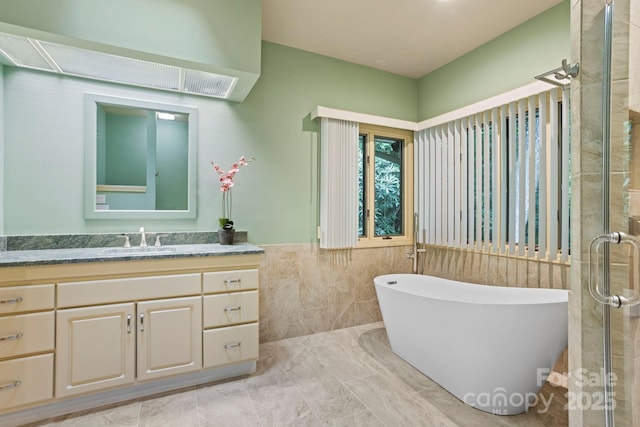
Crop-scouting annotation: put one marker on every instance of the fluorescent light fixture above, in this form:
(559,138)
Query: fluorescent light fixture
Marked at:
(78,62)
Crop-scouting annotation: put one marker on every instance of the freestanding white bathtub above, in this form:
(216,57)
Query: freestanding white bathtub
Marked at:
(491,347)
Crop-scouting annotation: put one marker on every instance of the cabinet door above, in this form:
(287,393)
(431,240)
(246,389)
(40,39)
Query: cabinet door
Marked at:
(169,337)
(95,348)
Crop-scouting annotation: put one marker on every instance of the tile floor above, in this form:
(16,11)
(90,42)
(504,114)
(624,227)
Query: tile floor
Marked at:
(348,377)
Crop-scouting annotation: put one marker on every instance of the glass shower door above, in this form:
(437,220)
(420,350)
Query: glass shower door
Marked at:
(609,376)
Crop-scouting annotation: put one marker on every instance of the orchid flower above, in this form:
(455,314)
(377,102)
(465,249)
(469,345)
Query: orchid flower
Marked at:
(226,182)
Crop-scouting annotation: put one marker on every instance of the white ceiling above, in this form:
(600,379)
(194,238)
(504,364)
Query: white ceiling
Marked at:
(406,37)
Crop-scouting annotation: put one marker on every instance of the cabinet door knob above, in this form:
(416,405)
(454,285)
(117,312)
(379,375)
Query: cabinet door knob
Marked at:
(12,337)
(10,386)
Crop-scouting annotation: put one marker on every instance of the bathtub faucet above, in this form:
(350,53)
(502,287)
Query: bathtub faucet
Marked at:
(413,253)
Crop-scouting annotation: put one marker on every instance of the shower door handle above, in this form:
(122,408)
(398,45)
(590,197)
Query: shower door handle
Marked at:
(616,237)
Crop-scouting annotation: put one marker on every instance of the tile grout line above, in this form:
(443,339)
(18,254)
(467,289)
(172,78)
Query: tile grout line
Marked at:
(253,404)
(298,390)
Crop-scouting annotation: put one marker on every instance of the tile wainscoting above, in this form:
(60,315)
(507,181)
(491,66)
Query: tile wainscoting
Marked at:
(493,269)
(306,290)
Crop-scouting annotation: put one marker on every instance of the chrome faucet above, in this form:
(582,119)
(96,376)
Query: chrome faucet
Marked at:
(143,238)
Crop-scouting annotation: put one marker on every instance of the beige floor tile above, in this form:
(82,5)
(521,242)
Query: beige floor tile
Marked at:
(362,419)
(277,401)
(393,406)
(170,410)
(344,361)
(226,405)
(341,378)
(122,416)
(327,397)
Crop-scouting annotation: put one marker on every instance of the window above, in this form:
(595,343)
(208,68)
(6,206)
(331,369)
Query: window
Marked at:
(385,190)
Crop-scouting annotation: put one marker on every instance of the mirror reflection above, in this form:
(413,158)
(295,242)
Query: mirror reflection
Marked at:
(140,160)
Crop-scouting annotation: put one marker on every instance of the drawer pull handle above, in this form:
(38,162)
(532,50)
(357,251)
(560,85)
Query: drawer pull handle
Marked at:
(234,282)
(10,386)
(141,322)
(11,300)
(236,308)
(232,345)
(12,337)
(128,323)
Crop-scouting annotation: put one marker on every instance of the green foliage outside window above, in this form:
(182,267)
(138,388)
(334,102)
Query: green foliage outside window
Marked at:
(387,187)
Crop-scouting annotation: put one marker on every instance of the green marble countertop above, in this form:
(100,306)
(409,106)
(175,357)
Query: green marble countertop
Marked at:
(24,258)
(21,251)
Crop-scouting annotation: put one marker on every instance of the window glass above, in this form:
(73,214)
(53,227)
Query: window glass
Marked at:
(388,186)
(385,186)
(361,185)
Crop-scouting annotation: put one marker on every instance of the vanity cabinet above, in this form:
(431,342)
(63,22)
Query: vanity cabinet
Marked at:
(93,334)
(158,337)
(26,344)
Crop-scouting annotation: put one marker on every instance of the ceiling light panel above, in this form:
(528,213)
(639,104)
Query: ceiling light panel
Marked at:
(209,84)
(22,52)
(78,62)
(97,65)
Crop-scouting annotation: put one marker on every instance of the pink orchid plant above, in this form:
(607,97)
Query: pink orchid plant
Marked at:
(226,183)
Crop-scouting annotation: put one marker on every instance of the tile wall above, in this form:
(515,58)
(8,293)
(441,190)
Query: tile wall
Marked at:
(494,269)
(585,324)
(305,290)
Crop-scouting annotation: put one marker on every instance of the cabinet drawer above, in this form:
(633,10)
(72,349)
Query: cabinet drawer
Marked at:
(225,281)
(230,309)
(26,333)
(26,380)
(230,345)
(18,299)
(127,289)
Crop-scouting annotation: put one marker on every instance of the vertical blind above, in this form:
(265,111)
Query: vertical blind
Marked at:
(498,180)
(338,183)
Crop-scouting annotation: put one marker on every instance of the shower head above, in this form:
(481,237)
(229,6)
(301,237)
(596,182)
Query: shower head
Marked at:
(560,76)
(554,77)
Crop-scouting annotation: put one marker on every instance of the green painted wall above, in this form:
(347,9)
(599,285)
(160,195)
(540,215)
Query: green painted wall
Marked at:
(506,62)
(172,161)
(126,150)
(275,198)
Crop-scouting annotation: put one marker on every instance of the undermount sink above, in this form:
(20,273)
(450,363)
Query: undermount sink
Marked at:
(137,250)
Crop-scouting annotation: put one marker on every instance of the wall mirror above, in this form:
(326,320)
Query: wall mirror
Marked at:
(140,159)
